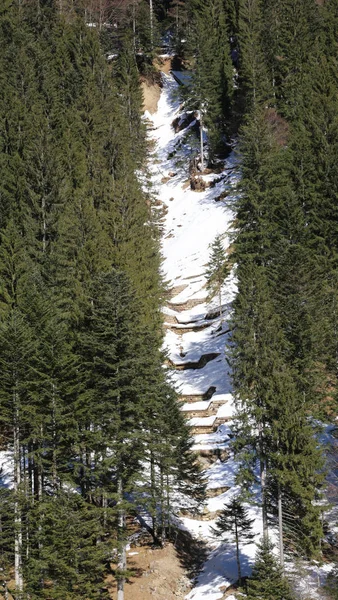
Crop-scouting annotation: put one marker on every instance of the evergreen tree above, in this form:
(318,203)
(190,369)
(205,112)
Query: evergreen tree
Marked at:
(217,270)
(267,580)
(6,539)
(252,65)
(129,86)
(234,526)
(212,86)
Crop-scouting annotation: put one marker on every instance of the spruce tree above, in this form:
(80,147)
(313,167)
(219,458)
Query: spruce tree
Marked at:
(252,65)
(267,580)
(217,270)
(212,87)
(234,526)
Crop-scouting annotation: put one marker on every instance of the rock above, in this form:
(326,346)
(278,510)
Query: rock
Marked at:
(197,184)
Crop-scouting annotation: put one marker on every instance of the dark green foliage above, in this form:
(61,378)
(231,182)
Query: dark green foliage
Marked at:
(109,351)
(212,87)
(233,525)
(267,580)
(69,549)
(83,393)
(252,66)
(6,537)
(217,270)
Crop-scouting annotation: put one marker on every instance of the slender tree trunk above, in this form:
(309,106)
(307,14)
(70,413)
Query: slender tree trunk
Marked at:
(280,527)
(4,580)
(151,8)
(263,482)
(17,511)
(220,302)
(237,555)
(122,559)
(54,471)
(153,496)
(168,506)
(44,225)
(162,508)
(134,25)
(201,141)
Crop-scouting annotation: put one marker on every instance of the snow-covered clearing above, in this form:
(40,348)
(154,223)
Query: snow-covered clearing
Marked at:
(194,333)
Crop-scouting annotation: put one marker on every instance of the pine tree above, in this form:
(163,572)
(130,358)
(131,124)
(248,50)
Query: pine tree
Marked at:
(212,87)
(69,548)
(217,271)
(7,537)
(17,350)
(233,525)
(129,86)
(252,66)
(269,394)
(267,579)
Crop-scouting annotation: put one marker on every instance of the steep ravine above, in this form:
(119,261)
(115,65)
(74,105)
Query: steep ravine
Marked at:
(196,340)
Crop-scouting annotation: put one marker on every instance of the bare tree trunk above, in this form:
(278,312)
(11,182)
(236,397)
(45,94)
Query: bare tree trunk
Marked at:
(263,482)
(280,527)
(168,506)
(153,496)
(151,8)
(201,141)
(220,302)
(122,559)
(134,25)
(237,556)
(17,511)
(162,508)
(44,225)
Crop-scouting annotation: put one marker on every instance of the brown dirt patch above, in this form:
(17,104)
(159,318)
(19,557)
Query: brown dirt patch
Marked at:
(152,90)
(159,575)
(163,64)
(151,96)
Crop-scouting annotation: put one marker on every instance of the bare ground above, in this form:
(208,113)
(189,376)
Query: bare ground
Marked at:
(152,91)
(159,575)
(151,96)
(162,573)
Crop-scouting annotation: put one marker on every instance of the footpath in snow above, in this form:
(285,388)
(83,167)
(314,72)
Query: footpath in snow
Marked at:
(196,340)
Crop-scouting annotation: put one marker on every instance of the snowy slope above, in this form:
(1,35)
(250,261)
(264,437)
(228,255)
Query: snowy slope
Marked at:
(192,221)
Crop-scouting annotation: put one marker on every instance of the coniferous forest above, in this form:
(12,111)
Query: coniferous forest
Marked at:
(90,421)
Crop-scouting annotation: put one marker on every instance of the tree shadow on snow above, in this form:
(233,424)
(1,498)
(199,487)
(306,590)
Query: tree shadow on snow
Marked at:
(191,552)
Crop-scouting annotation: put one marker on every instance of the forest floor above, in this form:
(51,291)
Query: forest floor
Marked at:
(151,96)
(159,575)
(152,91)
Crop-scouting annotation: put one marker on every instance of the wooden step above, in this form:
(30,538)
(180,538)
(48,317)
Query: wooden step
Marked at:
(199,364)
(196,430)
(217,491)
(198,397)
(206,515)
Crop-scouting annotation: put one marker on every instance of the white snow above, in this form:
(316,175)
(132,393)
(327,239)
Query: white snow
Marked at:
(225,411)
(196,406)
(6,468)
(202,421)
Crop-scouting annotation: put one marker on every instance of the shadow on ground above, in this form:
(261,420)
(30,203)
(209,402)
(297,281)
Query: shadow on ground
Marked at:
(191,552)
